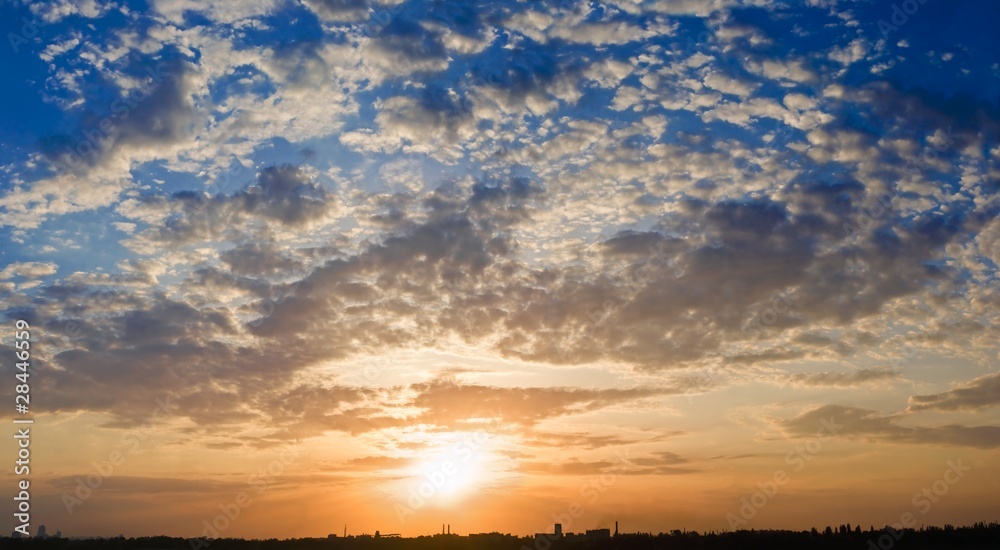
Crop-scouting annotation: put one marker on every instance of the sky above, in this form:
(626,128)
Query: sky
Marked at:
(296,265)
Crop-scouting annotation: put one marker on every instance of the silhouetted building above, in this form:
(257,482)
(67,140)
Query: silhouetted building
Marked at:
(551,536)
(493,536)
(594,535)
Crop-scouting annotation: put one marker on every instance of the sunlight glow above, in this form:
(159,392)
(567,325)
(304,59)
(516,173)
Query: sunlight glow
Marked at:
(450,471)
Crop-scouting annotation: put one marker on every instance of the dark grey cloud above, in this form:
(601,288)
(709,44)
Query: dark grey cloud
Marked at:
(981,393)
(158,113)
(259,259)
(404,46)
(844,379)
(870,425)
(283,195)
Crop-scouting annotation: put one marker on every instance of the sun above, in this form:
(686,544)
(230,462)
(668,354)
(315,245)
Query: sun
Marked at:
(451,470)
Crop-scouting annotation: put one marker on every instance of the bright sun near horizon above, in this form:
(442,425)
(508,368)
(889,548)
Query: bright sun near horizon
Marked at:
(297,268)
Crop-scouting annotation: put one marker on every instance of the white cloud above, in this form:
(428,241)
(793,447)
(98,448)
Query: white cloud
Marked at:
(794,70)
(855,51)
(56,10)
(728,85)
(55,49)
(28,270)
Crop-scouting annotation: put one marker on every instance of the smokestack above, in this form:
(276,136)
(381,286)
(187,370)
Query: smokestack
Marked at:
(449,528)
(442,528)
(616,528)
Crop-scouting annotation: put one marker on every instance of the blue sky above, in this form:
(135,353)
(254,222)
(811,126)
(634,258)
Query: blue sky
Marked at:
(682,229)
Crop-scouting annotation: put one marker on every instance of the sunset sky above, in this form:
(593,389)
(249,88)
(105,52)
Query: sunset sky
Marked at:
(703,264)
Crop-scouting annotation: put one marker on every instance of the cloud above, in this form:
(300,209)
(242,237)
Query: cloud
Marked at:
(92,163)
(658,463)
(260,259)
(223,11)
(381,463)
(870,425)
(158,113)
(28,270)
(700,8)
(793,69)
(844,379)
(855,51)
(437,124)
(447,403)
(729,85)
(51,12)
(283,196)
(339,10)
(404,46)
(610,32)
(981,393)
(587,440)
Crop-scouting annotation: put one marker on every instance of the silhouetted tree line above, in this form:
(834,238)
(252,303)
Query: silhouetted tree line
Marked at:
(978,536)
